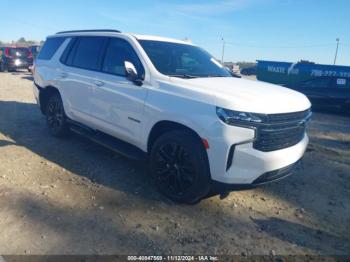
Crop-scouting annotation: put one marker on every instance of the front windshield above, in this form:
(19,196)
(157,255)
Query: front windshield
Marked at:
(182,60)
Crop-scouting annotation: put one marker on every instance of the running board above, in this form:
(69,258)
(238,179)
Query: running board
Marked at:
(108,141)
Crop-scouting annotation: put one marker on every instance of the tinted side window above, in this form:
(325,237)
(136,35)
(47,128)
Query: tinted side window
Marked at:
(50,47)
(71,49)
(88,52)
(67,51)
(119,51)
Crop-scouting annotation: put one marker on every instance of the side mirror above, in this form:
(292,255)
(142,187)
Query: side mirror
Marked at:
(131,73)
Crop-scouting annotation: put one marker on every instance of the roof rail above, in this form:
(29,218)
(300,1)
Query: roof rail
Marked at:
(86,31)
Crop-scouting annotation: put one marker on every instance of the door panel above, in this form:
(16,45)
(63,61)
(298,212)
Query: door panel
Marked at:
(117,103)
(76,89)
(117,107)
(77,76)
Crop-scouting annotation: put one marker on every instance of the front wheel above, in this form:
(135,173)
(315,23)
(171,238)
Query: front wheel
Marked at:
(179,165)
(55,116)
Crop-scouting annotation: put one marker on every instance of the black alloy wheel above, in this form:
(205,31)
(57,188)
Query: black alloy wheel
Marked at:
(179,165)
(55,116)
(174,169)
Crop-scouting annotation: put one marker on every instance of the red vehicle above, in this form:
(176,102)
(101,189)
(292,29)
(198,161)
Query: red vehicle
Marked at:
(13,58)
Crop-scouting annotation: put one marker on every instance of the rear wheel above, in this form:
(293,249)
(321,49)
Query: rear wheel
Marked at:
(55,116)
(179,165)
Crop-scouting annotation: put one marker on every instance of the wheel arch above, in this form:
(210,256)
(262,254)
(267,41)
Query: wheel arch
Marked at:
(163,126)
(45,94)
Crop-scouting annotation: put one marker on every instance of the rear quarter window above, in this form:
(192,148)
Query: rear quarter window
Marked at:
(50,47)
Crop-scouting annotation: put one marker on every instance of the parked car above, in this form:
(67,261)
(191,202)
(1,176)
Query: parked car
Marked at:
(326,92)
(35,50)
(233,74)
(172,103)
(15,58)
(249,71)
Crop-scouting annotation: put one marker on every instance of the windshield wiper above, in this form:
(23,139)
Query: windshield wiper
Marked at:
(186,76)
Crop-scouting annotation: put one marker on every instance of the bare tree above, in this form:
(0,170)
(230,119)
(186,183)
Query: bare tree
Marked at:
(22,40)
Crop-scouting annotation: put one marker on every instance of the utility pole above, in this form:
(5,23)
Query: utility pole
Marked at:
(223,51)
(336,51)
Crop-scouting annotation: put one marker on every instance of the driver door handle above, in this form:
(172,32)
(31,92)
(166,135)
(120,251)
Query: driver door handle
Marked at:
(63,75)
(98,83)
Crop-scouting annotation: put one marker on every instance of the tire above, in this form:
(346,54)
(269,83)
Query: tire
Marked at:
(55,117)
(179,166)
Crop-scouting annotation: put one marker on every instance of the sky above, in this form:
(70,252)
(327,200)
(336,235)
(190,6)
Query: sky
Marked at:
(278,30)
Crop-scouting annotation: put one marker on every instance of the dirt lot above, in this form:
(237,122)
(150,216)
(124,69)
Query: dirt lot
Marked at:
(74,197)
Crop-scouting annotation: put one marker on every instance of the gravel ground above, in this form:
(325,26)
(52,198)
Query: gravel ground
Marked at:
(72,196)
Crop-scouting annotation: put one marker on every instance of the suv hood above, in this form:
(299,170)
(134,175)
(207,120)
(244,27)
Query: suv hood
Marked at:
(248,95)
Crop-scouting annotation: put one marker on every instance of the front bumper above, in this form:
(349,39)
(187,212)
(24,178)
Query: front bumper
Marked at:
(244,165)
(276,175)
(248,164)
(19,64)
(265,178)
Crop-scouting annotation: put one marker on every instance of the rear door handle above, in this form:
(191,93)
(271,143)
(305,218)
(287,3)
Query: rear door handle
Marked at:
(98,83)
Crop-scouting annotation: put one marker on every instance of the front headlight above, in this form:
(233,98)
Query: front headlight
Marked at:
(232,117)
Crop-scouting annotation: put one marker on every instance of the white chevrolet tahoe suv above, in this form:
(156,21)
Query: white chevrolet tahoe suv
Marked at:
(201,129)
